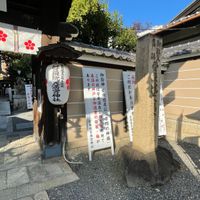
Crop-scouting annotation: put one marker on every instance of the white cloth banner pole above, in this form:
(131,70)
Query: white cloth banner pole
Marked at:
(3,5)
(129,89)
(99,127)
(162,122)
(28,90)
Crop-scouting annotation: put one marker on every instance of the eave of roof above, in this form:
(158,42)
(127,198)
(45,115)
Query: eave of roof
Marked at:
(101,51)
(177,23)
(82,48)
(188,10)
(187,50)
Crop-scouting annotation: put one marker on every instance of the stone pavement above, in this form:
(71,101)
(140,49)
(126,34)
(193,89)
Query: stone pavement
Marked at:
(23,174)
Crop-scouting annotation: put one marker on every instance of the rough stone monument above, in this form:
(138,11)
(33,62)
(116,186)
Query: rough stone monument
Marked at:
(144,161)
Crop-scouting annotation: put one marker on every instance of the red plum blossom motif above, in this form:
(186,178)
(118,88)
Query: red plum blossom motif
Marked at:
(3,36)
(68,83)
(29,45)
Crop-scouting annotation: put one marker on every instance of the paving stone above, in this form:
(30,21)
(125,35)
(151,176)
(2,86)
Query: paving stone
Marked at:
(65,167)
(17,176)
(8,194)
(26,125)
(26,198)
(53,169)
(10,159)
(1,159)
(3,141)
(3,180)
(41,196)
(37,172)
(3,122)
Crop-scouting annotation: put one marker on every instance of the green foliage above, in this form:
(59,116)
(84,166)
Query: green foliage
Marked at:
(99,27)
(93,29)
(17,62)
(126,40)
(81,8)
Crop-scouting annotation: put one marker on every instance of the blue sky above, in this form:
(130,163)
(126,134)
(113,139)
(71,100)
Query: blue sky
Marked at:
(155,12)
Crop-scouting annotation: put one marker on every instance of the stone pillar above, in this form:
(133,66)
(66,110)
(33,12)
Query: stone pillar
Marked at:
(148,72)
(145,161)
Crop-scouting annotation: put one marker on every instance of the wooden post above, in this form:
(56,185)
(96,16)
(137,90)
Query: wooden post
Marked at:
(148,72)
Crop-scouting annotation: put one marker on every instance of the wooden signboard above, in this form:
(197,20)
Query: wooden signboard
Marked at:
(99,128)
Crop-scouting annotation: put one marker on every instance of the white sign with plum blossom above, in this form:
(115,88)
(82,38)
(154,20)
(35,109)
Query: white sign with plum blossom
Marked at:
(7,37)
(129,89)
(19,39)
(29,40)
(99,127)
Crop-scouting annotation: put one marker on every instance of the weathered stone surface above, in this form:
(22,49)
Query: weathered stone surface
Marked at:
(3,122)
(26,198)
(147,86)
(26,125)
(22,171)
(37,172)
(53,169)
(17,176)
(5,108)
(41,196)
(3,180)
(138,170)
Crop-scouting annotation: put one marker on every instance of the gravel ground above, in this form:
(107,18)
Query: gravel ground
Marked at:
(193,151)
(102,179)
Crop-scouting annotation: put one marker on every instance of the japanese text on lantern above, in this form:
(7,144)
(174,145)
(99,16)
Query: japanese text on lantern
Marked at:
(97,109)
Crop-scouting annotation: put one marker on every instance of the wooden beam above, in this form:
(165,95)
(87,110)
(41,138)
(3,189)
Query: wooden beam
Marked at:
(181,35)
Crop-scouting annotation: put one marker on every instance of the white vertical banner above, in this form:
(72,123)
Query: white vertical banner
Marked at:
(99,127)
(29,40)
(39,100)
(3,5)
(7,37)
(129,89)
(28,90)
(162,123)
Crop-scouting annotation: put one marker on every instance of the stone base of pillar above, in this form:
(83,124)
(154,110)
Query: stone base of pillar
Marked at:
(153,169)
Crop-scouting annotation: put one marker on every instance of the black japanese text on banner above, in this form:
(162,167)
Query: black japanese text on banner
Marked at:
(129,88)
(58,83)
(99,128)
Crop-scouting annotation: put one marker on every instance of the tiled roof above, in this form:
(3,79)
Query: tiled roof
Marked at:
(180,21)
(189,48)
(191,8)
(101,51)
